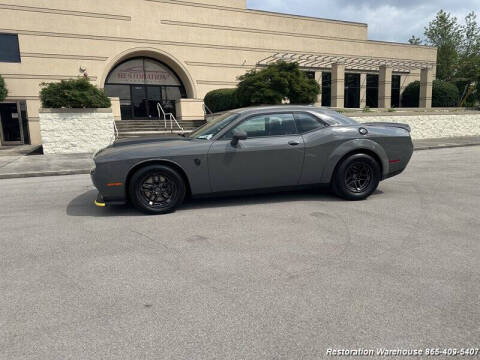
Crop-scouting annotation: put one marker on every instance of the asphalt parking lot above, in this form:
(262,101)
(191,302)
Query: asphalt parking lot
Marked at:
(279,276)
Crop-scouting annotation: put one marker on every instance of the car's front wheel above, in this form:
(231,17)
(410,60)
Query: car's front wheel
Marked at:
(157,189)
(356,177)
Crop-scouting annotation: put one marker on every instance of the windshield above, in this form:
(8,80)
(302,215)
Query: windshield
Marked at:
(213,127)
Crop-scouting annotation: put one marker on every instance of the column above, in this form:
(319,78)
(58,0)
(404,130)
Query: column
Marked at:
(363,90)
(338,85)
(385,87)
(426,79)
(318,78)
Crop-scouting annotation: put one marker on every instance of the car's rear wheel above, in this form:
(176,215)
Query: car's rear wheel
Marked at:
(356,177)
(157,189)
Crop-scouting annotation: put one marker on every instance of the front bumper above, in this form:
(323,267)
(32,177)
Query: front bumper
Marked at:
(106,196)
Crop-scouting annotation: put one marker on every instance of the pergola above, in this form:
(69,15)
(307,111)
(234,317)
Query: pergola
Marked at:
(338,64)
(357,63)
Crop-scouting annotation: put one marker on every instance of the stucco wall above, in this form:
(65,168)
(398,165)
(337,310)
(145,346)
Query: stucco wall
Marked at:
(431,126)
(76,131)
(209,43)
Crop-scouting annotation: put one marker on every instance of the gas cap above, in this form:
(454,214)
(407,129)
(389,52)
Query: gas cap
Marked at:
(363,131)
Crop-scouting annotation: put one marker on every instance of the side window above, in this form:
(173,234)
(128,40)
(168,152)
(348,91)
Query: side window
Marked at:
(9,48)
(254,127)
(307,122)
(267,125)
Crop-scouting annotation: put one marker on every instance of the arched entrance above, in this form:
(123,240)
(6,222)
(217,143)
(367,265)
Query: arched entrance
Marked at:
(141,83)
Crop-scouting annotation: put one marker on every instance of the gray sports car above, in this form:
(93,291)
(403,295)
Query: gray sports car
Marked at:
(262,148)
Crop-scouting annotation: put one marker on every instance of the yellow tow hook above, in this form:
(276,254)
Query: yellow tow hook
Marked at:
(99,204)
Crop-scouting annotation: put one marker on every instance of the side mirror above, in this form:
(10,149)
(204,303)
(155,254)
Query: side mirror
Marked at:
(237,136)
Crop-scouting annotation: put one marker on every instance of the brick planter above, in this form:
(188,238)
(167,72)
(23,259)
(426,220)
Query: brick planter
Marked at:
(76,131)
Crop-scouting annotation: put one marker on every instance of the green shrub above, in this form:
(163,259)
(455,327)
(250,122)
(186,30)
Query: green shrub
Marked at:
(221,100)
(3,89)
(444,94)
(276,82)
(73,94)
(411,95)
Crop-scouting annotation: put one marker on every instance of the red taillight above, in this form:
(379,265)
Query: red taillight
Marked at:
(394,161)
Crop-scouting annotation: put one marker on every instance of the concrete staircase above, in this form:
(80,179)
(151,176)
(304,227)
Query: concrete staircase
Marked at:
(137,128)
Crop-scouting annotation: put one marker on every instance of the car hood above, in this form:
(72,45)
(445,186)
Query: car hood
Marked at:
(149,140)
(151,147)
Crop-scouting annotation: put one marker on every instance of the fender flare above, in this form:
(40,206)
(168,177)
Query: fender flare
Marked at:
(160,161)
(352,146)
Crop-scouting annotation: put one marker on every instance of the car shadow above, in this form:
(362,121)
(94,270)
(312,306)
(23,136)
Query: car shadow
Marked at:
(83,205)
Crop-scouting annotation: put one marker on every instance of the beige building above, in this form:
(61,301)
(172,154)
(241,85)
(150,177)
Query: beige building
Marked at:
(173,52)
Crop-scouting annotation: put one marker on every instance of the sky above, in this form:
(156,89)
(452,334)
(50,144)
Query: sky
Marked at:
(388,20)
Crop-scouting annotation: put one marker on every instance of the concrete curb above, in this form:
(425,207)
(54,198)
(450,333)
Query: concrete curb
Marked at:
(87,171)
(433,147)
(44,173)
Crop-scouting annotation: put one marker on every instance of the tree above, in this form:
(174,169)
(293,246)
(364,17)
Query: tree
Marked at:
(458,58)
(73,94)
(445,33)
(3,89)
(275,83)
(415,40)
(468,71)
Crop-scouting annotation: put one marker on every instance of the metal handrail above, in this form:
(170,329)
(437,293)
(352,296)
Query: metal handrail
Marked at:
(115,129)
(206,109)
(170,116)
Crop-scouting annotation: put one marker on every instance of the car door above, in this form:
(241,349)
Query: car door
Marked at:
(271,156)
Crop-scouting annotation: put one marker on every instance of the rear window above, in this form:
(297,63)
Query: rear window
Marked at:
(307,122)
(333,118)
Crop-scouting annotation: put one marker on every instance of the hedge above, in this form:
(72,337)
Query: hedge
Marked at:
(73,94)
(221,100)
(444,94)
(3,89)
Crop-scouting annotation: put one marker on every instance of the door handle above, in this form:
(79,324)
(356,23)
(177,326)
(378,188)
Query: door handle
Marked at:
(293,143)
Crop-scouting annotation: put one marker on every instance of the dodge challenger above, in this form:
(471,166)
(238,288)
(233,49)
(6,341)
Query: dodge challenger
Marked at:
(253,149)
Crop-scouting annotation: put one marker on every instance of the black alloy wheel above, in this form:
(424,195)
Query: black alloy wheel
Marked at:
(157,189)
(356,177)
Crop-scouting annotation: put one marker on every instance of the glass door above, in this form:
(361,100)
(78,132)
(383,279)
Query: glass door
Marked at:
(154,96)
(139,102)
(11,120)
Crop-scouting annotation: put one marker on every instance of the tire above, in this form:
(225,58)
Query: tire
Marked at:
(156,189)
(356,177)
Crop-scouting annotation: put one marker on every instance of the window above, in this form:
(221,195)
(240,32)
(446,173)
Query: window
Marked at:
(310,75)
(326,89)
(267,125)
(212,128)
(372,91)
(307,122)
(352,90)
(9,48)
(141,84)
(396,84)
